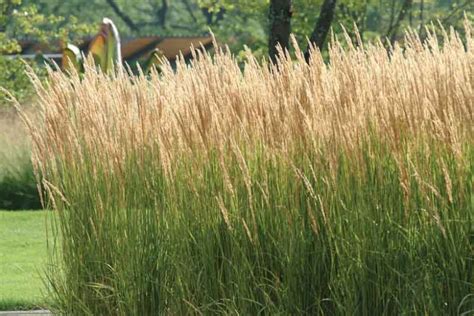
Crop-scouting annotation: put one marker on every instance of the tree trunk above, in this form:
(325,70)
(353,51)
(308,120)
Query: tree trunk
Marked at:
(162,13)
(393,30)
(321,30)
(280,26)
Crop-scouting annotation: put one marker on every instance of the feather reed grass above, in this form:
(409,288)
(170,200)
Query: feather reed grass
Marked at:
(323,188)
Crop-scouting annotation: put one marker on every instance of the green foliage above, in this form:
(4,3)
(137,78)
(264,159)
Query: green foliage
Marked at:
(245,22)
(18,190)
(20,21)
(13,78)
(357,248)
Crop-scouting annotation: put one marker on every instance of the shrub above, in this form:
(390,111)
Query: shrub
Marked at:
(18,189)
(340,188)
(14,78)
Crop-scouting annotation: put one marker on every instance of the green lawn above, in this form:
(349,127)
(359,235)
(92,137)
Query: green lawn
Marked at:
(22,258)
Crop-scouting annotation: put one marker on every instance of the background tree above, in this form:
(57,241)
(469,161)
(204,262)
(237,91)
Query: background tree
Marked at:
(19,21)
(321,30)
(245,22)
(279,14)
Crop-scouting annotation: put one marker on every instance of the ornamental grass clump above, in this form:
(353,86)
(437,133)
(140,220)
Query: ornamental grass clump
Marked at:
(302,188)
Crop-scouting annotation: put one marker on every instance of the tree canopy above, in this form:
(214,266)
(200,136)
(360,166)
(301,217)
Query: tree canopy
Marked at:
(237,23)
(246,22)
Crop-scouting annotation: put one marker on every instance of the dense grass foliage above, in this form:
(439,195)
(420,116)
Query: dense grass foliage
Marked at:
(341,188)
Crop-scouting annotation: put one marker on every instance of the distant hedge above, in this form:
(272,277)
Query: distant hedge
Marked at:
(18,189)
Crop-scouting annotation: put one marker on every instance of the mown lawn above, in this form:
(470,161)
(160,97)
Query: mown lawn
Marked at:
(22,259)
